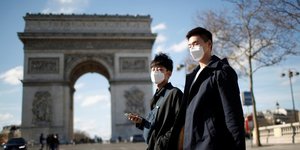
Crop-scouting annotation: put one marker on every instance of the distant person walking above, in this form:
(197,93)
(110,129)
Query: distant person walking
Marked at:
(48,141)
(56,141)
(53,141)
(42,139)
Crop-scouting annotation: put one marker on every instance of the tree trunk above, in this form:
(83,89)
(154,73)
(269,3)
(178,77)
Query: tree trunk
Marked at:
(255,122)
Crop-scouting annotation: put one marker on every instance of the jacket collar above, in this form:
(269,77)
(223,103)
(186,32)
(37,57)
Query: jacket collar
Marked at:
(159,93)
(214,63)
(162,91)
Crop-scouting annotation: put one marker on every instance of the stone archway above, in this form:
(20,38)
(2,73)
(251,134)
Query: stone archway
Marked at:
(58,49)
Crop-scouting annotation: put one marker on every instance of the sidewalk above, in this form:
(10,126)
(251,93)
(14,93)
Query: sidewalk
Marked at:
(273,146)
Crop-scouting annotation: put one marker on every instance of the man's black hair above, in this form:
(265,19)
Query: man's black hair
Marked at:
(203,33)
(162,59)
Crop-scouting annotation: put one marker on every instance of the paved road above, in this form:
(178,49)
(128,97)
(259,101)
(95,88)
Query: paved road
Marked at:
(142,146)
(115,146)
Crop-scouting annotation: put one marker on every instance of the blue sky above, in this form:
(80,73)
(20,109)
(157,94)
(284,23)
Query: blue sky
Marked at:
(171,21)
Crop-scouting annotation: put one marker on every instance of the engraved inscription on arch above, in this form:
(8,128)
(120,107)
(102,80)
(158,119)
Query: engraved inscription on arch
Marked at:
(67,44)
(43,65)
(79,25)
(41,108)
(133,64)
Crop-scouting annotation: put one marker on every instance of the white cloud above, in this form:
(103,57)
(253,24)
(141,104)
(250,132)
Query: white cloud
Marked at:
(5,117)
(77,120)
(12,76)
(65,1)
(85,125)
(92,128)
(91,100)
(179,47)
(159,48)
(79,86)
(78,97)
(161,38)
(89,125)
(65,6)
(159,27)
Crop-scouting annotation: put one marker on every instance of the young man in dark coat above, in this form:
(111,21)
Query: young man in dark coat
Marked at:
(211,116)
(165,104)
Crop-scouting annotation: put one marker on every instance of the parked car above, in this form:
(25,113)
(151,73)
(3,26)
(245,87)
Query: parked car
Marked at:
(15,144)
(137,138)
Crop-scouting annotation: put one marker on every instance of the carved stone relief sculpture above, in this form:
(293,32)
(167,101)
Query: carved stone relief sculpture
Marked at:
(41,108)
(43,65)
(133,64)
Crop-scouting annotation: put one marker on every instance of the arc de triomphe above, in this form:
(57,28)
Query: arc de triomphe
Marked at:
(59,48)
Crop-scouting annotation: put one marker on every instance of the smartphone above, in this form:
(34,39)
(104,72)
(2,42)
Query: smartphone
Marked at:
(133,118)
(127,114)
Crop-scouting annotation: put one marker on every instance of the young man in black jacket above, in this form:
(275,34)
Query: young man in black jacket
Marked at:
(165,104)
(211,116)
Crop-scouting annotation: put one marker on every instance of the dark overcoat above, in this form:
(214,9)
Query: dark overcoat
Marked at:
(214,116)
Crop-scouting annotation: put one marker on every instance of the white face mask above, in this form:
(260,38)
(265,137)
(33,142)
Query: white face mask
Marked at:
(157,77)
(197,52)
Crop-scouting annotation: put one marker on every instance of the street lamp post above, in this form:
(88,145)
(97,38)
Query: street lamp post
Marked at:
(290,75)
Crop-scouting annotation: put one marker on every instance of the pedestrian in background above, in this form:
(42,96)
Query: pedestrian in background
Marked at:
(42,139)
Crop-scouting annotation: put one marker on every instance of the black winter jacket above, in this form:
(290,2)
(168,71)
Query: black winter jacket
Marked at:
(211,113)
(165,117)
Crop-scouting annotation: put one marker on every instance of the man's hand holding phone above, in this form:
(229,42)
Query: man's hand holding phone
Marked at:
(133,117)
